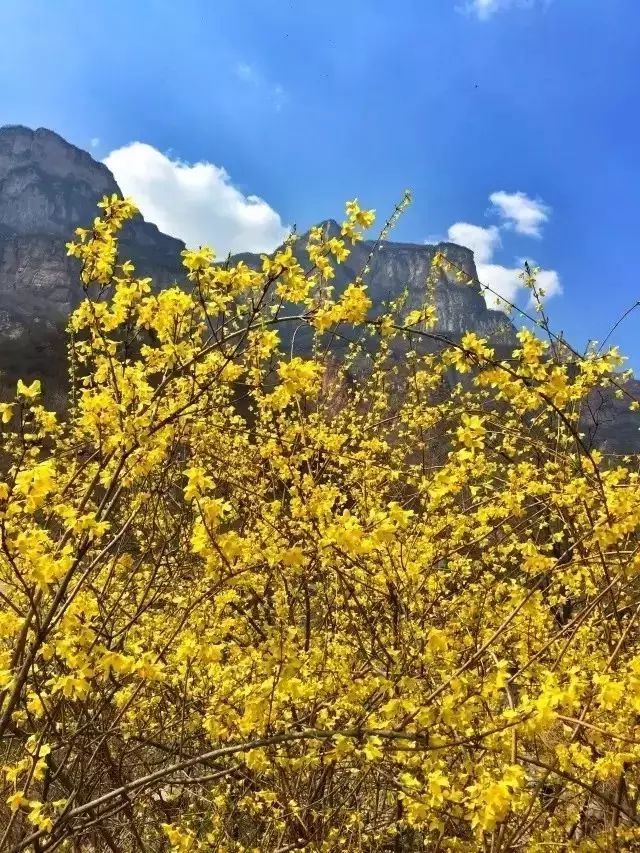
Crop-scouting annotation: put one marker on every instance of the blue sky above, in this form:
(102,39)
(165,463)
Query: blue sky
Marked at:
(305,104)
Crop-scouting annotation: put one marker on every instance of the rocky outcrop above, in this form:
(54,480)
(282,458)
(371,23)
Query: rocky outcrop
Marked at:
(396,266)
(46,184)
(608,422)
(49,187)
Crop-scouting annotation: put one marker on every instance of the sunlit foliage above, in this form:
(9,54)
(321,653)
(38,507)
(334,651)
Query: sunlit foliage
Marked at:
(377,593)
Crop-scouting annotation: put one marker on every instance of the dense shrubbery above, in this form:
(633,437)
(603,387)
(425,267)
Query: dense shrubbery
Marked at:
(264,600)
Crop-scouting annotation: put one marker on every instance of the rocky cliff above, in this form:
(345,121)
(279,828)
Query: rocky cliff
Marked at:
(395,266)
(48,187)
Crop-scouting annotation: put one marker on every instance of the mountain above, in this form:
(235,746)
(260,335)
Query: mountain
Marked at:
(48,187)
(394,266)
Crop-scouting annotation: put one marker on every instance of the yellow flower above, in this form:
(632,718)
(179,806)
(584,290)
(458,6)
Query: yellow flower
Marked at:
(300,376)
(28,392)
(17,800)
(472,431)
(355,567)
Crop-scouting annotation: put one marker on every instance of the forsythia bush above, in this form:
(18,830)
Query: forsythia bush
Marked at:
(376,596)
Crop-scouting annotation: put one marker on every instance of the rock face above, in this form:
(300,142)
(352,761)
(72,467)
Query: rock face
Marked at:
(45,183)
(460,308)
(48,187)
(396,266)
(609,424)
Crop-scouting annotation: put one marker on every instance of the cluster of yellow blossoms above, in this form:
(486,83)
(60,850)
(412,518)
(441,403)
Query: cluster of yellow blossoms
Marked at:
(380,597)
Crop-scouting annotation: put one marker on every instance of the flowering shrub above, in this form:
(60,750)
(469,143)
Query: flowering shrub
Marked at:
(260,599)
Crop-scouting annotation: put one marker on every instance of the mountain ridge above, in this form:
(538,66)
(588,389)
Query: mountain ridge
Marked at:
(49,187)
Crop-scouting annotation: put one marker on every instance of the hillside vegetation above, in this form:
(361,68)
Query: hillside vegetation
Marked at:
(253,599)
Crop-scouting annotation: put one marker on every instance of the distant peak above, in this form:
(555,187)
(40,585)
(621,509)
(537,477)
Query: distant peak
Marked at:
(330,227)
(44,140)
(23,130)
(38,143)
(447,244)
(49,186)
(14,128)
(46,133)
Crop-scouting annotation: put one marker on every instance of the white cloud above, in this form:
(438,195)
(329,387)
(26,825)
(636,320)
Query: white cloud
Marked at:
(245,72)
(521,214)
(279,97)
(273,93)
(546,280)
(526,215)
(196,202)
(485,9)
(549,282)
(95,142)
(505,283)
(482,241)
